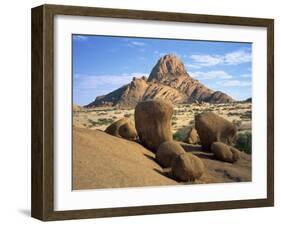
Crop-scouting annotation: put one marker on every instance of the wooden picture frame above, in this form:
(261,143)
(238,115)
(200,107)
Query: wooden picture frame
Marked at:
(42,203)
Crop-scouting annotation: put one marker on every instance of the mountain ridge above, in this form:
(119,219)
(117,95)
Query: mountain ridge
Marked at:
(168,80)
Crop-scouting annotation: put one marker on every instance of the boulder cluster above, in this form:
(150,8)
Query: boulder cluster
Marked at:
(123,128)
(216,136)
(153,129)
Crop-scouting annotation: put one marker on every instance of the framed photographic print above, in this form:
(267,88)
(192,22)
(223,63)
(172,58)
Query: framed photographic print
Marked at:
(141,112)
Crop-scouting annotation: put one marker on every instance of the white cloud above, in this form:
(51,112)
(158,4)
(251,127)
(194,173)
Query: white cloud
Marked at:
(210,75)
(161,54)
(207,60)
(138,43)
(105,81)
(246,76)
(80,37)
(139,74)
(231,83)
(92,82)
(232,58)
(134,43)
(194,66)
(238,57)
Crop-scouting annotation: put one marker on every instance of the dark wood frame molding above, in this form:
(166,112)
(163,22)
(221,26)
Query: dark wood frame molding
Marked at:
(42,203)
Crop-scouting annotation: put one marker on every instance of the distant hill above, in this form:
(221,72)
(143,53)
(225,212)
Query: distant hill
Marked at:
(169,81)
(76,107)
(249,100)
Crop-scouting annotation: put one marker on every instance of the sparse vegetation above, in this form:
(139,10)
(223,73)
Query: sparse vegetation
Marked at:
(174,118)
(244,142)
(246,115)
(102,113)
(180,135)
(101,121)
(237,123)
(100,118)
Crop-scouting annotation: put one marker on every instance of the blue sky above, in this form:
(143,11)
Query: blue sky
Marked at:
(102,64)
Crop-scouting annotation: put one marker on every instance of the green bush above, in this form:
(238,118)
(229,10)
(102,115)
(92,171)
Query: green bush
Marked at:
(179,135)
(100,122)
(128,115)
(244,142)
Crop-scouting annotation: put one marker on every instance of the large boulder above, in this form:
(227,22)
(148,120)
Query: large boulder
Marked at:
(187,167)
(224,152)
(192,137)
(167,151)
(123,128)
(211,128)
(153,123)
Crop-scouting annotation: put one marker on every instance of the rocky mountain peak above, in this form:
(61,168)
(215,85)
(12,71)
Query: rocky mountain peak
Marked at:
(168,81)
(168,67)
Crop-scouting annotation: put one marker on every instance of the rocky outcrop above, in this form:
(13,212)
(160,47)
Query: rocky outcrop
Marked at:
(224,152)
(122,128)
(104,161)
(168,68)
(248,100)
(153,123)
(192,137)
(212,128)
(167,151)
(168,81)
(187,167)
(218,97)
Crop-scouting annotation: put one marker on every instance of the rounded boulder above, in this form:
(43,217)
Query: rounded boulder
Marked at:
(167,151)
(153,123)
(187,167)
(123,128)
(213,128)
(224,152)
(192,137)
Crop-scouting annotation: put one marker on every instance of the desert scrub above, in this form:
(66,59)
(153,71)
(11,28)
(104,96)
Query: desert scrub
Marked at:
(246,115)
(244,142)
(174,118)
(102,113)
(105,121)
(179,135)
(191,122)
(233,114)
(100,122)
(237,123)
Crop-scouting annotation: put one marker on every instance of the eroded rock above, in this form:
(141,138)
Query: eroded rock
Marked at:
(213,128)
(153,123)
(192,137)
(224,152)
(187,167)
(123,128)
(167,151)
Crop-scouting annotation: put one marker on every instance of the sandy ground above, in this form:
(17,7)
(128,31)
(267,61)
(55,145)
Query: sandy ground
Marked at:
(183,116)
(103,161)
